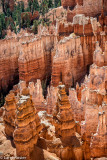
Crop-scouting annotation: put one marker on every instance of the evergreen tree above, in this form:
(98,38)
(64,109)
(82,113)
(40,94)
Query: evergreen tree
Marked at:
(35,5)
(2,24)
(57,3)
(3,7)
(44,7)
(50,4)
(25,21)
(22,7)
(29,5)
(0,30)
(35,26)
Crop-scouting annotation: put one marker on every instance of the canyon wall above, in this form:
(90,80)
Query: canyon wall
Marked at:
(77,48)
(83,112)
(89,8)
(30,57)
(35,58)
(9,53)
(94,101)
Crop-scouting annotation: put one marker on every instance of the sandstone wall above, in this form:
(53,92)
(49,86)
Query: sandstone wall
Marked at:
(9,114)
(9,53)
(35,59)
(74,50)
(89,8)
(99,139)
(93,99)
(70,52)
(8,63)
(66,3)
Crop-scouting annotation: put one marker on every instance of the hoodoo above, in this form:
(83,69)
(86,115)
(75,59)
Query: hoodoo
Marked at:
(53,79)
(63,118)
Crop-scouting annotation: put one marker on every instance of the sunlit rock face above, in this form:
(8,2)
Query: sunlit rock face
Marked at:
(9,53)
(30,57)
(99,139)
(77,48)
(70,3)
(27,128)
(77,108)
(100,58)
(68,54)
(72,50)
(21,121)
(65,127)
(36,92)
(63,118)
(9,114)
(51,99)
(94,101)
(89,8)
(35,59)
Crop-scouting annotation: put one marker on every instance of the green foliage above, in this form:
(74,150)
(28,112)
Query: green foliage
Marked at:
(14,19)
(16,14)
(25,21)
(35,26)
(29,5)
(2,25)
(33,5)
(44,7)
(2,99)
(57,3)
(22,7)
(50,4)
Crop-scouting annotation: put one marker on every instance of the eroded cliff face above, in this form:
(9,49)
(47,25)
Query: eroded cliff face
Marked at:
(93,101)
(63,118)
(77,48)
(9,53)
(57,125)
(9,114)
(35,58)
(69,3)
(88,104)
(89,8)
(99,139)
(31,57)
(22,122)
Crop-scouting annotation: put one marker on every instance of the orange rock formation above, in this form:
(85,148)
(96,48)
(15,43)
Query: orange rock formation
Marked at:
(28,124)
(73,50)
(94,100)
(63,118)
(9,114)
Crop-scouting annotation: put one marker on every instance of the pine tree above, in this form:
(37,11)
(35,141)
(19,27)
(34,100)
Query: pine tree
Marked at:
(50,4)
(29,5)
(35,26)
(57,3)
(35,5)
(22,6)
(25,21)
